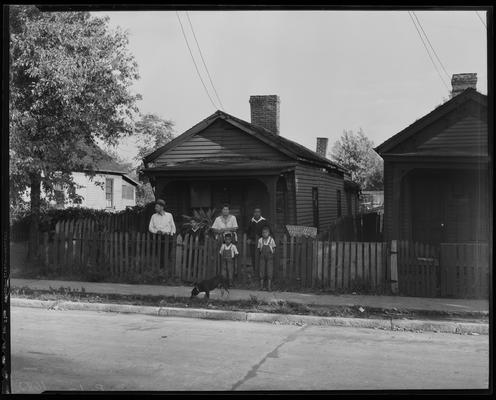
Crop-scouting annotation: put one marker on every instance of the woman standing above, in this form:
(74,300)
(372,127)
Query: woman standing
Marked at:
(225,223)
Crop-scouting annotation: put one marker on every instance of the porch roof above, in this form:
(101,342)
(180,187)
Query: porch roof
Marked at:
(225,167)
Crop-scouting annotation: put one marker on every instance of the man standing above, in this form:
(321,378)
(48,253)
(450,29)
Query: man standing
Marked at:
(162,222)
(254,232)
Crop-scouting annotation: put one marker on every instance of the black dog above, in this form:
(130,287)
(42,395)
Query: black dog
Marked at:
(207,285)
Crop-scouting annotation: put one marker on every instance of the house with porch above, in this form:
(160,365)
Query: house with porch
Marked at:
(437,179)
(224,159)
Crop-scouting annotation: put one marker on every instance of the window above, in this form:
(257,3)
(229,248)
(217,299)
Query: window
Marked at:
(127,192)
(315,206)
(340,211)
(109,192)
(59,195)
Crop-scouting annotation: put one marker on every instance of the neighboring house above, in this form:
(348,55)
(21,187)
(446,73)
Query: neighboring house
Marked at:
(107,190)
(372,201)
(111,188)
(437,178)
(225,159)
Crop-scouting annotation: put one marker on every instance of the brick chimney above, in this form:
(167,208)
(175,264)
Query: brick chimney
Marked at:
(460,82)
(265,112)
(322,146)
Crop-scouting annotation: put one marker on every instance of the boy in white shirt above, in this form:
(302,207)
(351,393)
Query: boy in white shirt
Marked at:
(228,252)
(266,247)
(162,222)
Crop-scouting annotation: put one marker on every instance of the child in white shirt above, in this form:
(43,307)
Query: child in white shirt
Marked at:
(266,247)
(228,252)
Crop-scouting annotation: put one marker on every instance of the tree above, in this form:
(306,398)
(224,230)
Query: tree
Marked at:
(70,78)
(355,153)
(152,132)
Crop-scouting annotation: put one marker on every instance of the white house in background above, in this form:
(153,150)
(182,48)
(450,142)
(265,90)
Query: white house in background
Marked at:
(110,190)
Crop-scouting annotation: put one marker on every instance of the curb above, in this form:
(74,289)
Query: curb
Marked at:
(282,319)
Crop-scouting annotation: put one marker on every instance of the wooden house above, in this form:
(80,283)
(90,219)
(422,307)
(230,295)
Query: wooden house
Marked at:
(247,164)
(437,179)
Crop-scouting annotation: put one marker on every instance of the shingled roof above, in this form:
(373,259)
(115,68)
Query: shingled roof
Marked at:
(287,146)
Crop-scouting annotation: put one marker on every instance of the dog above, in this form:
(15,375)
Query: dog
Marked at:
(207,285)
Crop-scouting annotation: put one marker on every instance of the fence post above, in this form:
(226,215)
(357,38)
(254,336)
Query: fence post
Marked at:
(177,261)
(394,266)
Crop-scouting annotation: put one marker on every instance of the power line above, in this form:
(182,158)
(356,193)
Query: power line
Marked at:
(481,20)
(203,60)
(427,50)
(430,44)
(194,62)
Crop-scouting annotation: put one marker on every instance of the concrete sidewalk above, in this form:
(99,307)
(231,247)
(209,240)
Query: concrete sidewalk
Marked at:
(384,302)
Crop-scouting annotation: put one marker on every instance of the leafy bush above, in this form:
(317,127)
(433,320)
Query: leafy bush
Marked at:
(50,217)
(206,219)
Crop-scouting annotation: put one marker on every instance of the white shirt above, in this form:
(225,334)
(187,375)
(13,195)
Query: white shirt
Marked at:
(162,222)
(232,247)
(270,242)
(225,223)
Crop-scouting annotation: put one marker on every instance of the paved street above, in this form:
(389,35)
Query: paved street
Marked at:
(80,350)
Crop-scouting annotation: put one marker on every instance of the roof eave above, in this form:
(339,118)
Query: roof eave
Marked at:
(417,125)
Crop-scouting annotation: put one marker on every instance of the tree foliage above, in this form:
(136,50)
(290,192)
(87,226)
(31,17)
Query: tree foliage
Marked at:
(70,78)
(355,152)
(152,133)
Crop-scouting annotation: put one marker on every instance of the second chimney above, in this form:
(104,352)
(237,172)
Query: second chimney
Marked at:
(322,146)
(460,82)
(265,112)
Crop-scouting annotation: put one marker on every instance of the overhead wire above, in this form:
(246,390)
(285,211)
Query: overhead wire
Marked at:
(194,62)
(430,44)
(481,20)
(203,60)
(427,50)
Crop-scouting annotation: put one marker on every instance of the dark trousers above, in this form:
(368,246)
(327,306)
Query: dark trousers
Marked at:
(253,255)
(164,240)
(266,267)
(227,268)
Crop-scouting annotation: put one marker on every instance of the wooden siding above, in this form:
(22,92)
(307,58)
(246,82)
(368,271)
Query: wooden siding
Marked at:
(220,139)
(467,135)
(388,200)
(328,184)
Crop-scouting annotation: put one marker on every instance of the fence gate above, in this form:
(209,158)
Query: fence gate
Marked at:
(464,270)
(418,269)
(459,270)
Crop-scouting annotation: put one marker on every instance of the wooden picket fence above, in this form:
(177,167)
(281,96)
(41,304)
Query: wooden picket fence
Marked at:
(459,270)
(302,261)
(464,270)
(418,269)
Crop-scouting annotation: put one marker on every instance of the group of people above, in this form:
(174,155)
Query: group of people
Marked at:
(259,235)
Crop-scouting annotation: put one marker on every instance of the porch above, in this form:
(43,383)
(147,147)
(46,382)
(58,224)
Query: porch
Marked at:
(244,185)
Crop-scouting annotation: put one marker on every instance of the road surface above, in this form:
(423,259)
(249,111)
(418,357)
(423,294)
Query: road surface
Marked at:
(82,350)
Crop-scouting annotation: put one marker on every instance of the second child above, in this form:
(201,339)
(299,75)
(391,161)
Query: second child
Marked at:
(266,247)
(228,252)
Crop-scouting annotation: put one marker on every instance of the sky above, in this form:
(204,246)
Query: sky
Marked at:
(333,70)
